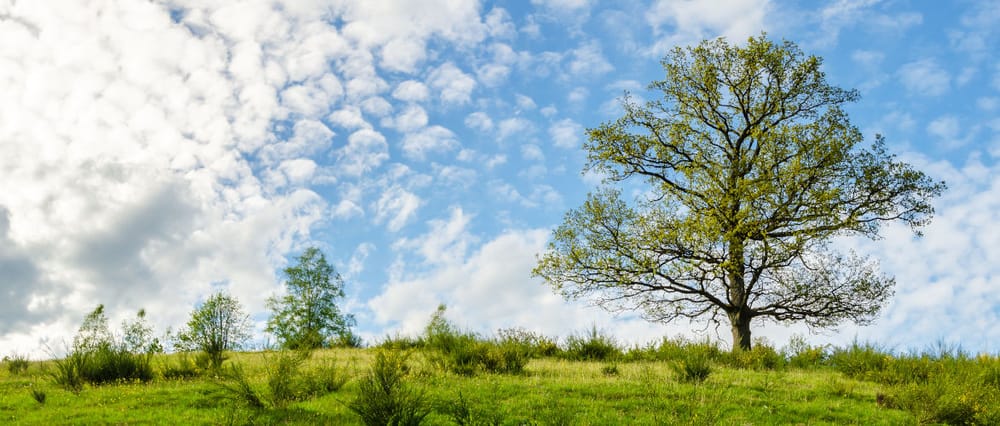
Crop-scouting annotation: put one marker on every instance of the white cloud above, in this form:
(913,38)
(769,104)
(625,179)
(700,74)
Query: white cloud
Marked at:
(429,139)
(925,77)
(577,95)
(987,103)
(492,288)
(400,28)
(412,118)
(141,161)
(677,22)
(524,102)
(588,61)
(513,126)
(396,207)
(492,75)
(349,117)
(411,91)
(366,149)
(566,133)
(499,24)
(947,129)
(403,54)
(480,121)
(454,86)
(532,152)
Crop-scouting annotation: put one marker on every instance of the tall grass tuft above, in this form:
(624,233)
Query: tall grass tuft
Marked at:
(384,397)
(284,377)
(692,369)
(466,353)
(237,388)
(16,363)
(38,395)
(595,345)
(184,368)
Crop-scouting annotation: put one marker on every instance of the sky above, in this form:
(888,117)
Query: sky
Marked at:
(154,152)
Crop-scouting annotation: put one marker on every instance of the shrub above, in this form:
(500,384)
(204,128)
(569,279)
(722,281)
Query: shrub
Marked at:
(503,358)
(284,377)
(68,372)
(400,343)
(465,353)
(860,360)
(16,363)
(237,388)
(97,357)
(105,364)
(692,369)
(595,345)
(533,344)
(801,355)
(610,370)
(184,368)
(326,378)
(760,357)
(384,398)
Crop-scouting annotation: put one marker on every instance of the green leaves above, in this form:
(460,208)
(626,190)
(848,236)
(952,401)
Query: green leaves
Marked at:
(307,316)
(752,166)
(217,325)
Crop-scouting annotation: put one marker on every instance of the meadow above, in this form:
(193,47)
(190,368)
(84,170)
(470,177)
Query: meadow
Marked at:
(517,378)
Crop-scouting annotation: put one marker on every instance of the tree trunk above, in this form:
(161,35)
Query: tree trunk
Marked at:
(740,321)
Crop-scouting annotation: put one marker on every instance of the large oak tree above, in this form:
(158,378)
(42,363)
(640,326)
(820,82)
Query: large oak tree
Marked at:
(750,168)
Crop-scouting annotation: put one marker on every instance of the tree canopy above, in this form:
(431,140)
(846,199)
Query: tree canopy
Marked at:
(750,169)
(217,325)
(307,316)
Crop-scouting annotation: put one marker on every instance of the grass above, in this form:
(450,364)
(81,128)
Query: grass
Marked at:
(673,382)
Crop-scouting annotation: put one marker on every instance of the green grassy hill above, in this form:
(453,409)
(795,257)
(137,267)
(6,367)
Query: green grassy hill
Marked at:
(669,383)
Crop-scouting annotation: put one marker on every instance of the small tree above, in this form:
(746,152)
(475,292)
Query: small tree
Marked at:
(216,326)
(751,168)
(307,316)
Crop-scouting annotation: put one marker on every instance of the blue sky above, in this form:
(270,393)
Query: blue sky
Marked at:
(154,152)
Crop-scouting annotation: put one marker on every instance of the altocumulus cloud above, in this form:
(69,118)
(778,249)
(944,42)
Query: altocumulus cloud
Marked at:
(153,152)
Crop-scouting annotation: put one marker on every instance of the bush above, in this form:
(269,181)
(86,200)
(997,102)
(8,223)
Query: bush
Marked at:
(860,360)
(16,363)
(692,369)
(97,357)
(69,371)
(593,346)
(503,358)
(801,355)
(532,344)
(237,388)
(384,398)
(184,368)
(760,357)
(465,353)
(104,364)
(284,377)
(326,378)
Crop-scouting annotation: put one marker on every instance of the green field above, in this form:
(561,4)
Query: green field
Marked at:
(857,385)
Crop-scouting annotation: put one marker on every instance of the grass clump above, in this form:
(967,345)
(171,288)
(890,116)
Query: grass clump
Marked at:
(693,369)
(182,369)
(16,363)
(236,387)
(384,397)
(594,345)
(466,353)
(38,395)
